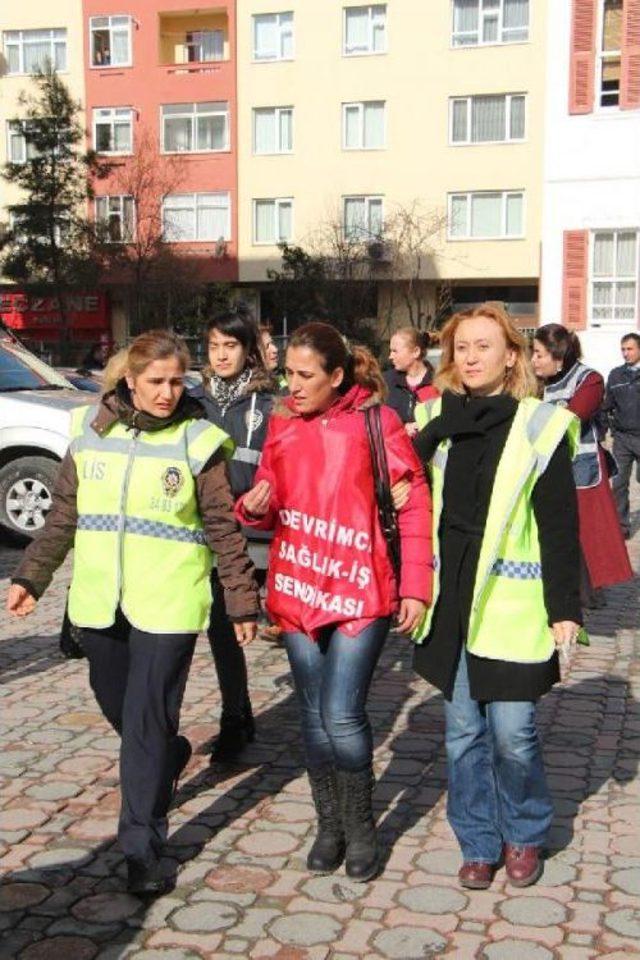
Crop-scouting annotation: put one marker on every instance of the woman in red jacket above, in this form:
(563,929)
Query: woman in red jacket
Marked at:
(567,381)
(331,586)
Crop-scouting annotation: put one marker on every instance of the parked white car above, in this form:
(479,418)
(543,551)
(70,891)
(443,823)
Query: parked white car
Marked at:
(35,413)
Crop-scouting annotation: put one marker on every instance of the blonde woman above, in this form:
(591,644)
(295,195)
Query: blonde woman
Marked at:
(506,592)
(143,498)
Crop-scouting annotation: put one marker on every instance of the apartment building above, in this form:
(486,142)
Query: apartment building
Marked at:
(349,112)
(591,232)
(160,91)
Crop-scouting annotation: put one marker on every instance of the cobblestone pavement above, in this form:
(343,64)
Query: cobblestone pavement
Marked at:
(239,836)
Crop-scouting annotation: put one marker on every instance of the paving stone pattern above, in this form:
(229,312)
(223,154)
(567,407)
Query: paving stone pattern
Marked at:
(239,835)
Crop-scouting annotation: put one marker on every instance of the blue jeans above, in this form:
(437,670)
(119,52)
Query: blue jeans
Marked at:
(497,787)
(332,679)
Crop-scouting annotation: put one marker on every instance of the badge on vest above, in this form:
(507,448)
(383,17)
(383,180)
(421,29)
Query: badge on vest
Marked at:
(172,481)
(253,421)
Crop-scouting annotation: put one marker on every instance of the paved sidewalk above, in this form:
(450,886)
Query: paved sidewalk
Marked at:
(240,837)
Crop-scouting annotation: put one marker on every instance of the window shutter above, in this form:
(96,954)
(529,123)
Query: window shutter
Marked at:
(630,81)
(574,279)
(582,66)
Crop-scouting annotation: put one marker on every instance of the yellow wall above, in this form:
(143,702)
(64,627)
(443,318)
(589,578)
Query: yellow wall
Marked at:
(34,15)
(173,30)
(416,77)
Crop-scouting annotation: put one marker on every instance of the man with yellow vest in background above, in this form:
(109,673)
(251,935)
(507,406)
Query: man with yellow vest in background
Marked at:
(143,498)
(506,586)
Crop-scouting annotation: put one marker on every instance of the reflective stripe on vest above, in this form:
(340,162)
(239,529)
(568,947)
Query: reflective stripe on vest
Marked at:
(139,539)
(586,466)
(508,619)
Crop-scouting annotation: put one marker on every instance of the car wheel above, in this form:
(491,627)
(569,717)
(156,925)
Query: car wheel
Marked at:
(26,486)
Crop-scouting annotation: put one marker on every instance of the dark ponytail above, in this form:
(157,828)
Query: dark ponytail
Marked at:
(358,363)
(562,344)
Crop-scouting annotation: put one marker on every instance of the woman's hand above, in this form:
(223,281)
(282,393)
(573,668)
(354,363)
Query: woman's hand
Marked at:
(245,632)
(410,614)
(565,634)
(256,501)
(20,603)
(400,493)
(411,429)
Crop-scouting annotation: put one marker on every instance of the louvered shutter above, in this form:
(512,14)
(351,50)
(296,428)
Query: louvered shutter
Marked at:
(574,279)
(630,80)
(582,65)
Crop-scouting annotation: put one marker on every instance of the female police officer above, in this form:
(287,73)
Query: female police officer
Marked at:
(142,495)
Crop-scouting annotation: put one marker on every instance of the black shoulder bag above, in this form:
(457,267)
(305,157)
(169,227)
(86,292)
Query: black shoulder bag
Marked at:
(382,485)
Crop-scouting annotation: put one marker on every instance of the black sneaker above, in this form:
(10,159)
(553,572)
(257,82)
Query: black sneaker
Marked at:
(145,878)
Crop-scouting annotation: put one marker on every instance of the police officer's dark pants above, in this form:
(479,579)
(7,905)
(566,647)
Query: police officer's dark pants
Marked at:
(139,679)
(626,450)
(228,657)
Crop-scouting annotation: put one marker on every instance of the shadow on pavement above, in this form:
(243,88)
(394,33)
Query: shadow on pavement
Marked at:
(84,899)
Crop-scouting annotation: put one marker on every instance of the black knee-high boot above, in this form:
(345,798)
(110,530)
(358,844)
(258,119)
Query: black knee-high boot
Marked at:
(327,852)
(355,789)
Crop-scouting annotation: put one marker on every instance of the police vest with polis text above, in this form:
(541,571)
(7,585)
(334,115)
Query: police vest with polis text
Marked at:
(508,619)
(139,541)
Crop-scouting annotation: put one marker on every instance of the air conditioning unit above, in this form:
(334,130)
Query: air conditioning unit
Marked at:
(220,250)
(379,252)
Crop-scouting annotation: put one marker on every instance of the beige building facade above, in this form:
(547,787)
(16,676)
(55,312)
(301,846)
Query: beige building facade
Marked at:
(29,34)
(351,113)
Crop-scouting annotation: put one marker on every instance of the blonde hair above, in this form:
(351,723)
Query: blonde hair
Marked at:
(150,346)
(519,380)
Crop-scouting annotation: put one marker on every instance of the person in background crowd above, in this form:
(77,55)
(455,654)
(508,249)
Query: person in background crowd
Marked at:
(97,356)
(622,408)
(506,559)
(571,384)
(410,380)
(271,355)
(143,498)
(331,584)
(237,394)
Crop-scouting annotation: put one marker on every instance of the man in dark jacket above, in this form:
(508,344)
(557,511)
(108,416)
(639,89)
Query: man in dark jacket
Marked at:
(622,407)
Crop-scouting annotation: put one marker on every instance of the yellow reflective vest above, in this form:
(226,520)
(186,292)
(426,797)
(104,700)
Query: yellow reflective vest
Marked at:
(139,541)
(508,619)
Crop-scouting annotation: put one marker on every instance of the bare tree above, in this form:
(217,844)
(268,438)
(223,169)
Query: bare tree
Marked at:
(157,277)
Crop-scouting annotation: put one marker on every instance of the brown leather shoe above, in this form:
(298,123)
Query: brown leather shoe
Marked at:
(476,875)
(523,864)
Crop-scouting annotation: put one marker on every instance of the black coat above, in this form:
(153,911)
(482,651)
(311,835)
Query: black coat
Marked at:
(245,420)
(622,400)
(478,428)
(401,397)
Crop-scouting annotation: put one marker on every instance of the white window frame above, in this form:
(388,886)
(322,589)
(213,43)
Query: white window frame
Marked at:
(199,42)
(196,199)
(110,17)
(469,194)
(15,128)
(14,226)
(277,111)
(360,105)
(57,37)
(112,120)
(193,115)
(120,197)
(369,52)
(277,203)
(368,198)
(482,15)
(625,323)
(469,109)
(601,58)
(279,57)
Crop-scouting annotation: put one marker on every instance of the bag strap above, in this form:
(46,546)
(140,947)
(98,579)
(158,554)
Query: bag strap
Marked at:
(382,485)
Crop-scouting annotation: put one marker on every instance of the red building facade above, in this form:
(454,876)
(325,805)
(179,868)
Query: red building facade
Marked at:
(161,108)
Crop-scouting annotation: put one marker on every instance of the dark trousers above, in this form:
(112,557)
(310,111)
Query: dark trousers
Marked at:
(138,679)
(228,656)
(626,450)
(332,679)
